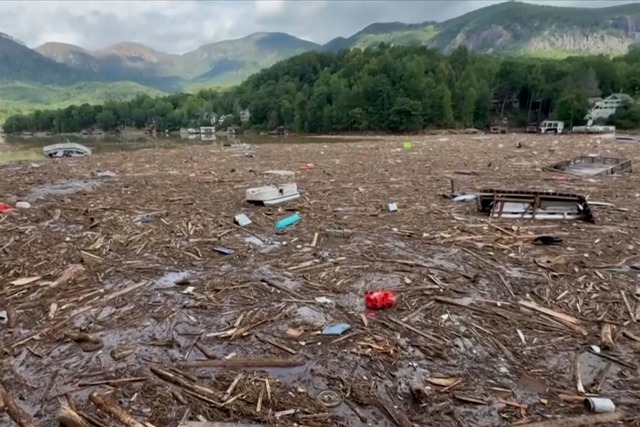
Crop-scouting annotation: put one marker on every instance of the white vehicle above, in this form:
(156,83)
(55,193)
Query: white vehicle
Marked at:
(551,126)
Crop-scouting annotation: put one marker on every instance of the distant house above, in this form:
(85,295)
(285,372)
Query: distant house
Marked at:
(223,117)
(603,108)
(245,115)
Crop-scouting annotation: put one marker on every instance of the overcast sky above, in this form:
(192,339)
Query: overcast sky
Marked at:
(182,25)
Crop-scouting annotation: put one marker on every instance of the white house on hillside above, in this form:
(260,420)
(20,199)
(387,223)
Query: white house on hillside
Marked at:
(245,115)
(603,108)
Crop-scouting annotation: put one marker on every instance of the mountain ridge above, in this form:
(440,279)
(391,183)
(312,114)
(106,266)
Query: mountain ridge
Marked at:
(509,27)
(126,60)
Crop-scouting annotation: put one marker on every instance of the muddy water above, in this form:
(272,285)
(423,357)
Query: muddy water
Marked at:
(17,155)
(161,323)
(30,148)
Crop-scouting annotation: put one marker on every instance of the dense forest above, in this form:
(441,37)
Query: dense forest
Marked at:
(396,89)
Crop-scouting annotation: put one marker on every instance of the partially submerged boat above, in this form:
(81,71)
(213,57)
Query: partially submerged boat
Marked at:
(591,165)
(591,128)
(273,194)
(66,149)
(626,138)
(534,205)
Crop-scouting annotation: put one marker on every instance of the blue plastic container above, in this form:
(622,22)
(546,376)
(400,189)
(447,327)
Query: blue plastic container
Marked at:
(286,222)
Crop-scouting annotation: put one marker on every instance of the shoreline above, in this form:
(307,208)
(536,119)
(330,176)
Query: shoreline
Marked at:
(354,136)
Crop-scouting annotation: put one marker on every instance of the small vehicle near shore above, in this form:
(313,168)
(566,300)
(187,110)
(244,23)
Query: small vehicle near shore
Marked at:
(551,126)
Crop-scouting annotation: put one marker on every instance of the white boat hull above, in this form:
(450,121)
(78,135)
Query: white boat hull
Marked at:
(281,200)
(271,195)
(69,149)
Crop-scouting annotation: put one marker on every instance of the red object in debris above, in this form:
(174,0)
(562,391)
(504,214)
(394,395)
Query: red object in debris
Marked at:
(4,208)
(379,300)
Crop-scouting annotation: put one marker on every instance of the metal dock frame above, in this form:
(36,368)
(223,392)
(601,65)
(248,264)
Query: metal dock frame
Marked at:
(492,202)
(618,165)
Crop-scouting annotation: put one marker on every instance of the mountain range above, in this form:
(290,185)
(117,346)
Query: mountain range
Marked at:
(57,73)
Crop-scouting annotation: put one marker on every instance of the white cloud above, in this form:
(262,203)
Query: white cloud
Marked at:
(269,7)
(179,26)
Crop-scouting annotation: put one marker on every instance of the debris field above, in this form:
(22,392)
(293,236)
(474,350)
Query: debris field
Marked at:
(128,295)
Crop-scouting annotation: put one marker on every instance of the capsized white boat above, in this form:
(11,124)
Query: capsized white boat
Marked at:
(66,149)
(271,195)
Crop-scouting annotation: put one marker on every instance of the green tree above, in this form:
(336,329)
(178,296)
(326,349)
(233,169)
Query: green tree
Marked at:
(484,98)
(106,120)
(469,107)
(399,88)
(287,112)
(273,120)
(447,109)
(626,117)
(406,115)
(300,113)
(571,107)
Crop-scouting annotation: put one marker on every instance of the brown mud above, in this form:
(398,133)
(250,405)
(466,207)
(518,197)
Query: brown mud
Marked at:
(112,285)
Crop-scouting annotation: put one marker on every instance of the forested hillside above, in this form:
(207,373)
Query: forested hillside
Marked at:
(397,89)
(516,29)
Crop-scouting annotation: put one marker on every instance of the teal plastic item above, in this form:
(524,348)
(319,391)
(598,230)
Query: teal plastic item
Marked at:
(338,329)
(290,220)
